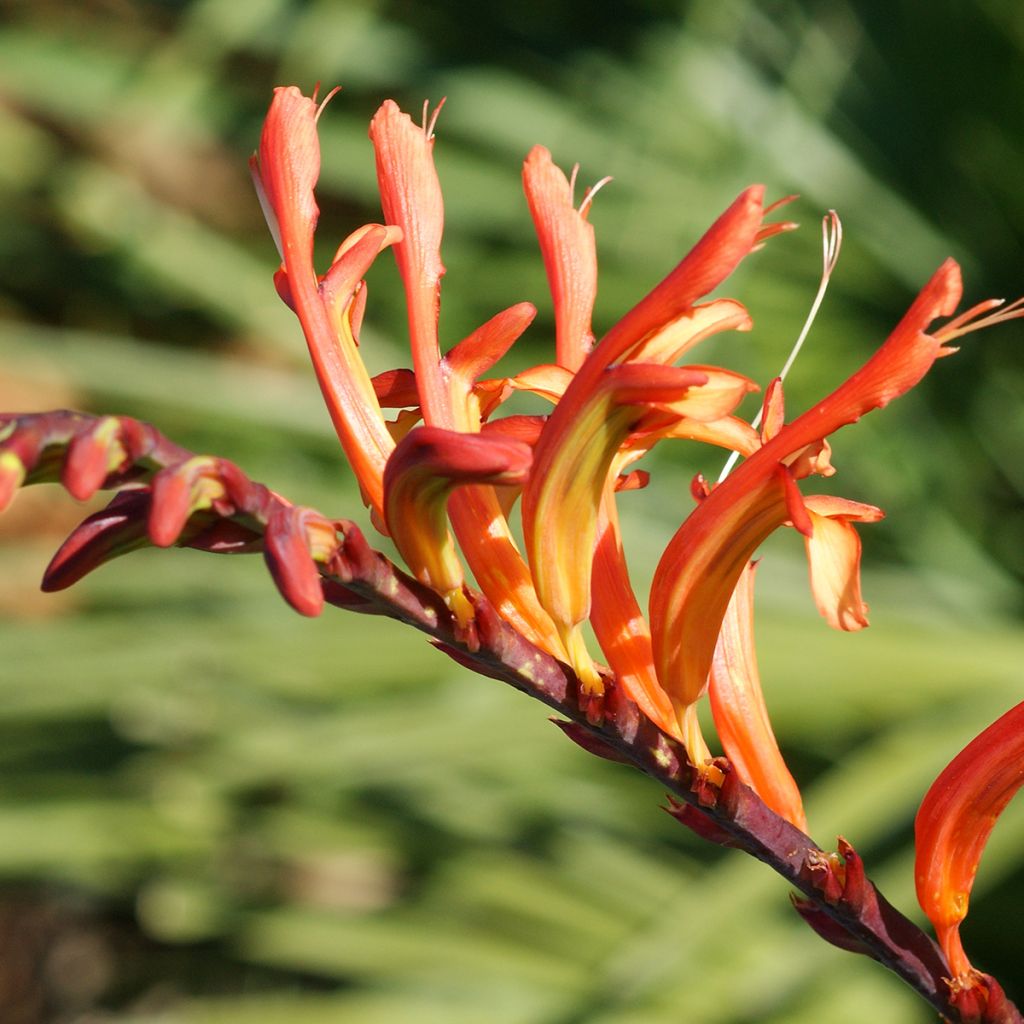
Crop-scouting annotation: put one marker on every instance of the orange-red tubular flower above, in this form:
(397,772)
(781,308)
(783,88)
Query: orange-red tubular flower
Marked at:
(714,257)
(698,572)
(741,718)
(285,170)
(953,825)
(620,626)
(411,198)
(562,499)
(570,256)
(426,467)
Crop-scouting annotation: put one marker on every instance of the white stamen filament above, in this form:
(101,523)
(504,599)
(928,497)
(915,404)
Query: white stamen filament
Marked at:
(831,243)
(428,129)
(588,197)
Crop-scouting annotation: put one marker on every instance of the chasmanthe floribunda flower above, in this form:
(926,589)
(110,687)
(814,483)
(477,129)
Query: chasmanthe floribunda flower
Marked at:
(446,490)
(952,828)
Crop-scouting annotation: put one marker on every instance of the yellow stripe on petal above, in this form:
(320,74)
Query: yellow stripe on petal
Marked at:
(562,499)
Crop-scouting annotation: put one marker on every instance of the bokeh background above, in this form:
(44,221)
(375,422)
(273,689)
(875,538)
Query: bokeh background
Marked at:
(212,810)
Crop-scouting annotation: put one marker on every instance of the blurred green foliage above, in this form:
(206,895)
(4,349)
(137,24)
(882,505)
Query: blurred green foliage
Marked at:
(213,811)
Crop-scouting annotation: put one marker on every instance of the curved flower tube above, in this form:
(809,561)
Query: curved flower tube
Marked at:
(953,826)
(426,467)
(285,169)
(698,572)
(562,500)
(738,707)
(570,254)
(411,199)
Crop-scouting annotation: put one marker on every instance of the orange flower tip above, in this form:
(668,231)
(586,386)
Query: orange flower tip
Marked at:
(12,476)
(92,455)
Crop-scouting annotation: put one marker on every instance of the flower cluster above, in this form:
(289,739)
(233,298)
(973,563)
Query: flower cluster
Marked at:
(442,476)
(448,486)
(442,470)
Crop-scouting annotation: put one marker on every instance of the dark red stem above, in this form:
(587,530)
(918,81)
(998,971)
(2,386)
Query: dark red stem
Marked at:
(838,900)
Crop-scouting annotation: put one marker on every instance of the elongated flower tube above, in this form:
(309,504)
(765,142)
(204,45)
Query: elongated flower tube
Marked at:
(561,502)
(285,170)
(953,826)
(710,262)
(741,717)
(699,570)
(421,475)
(619,624)
(570,255)
(411,199)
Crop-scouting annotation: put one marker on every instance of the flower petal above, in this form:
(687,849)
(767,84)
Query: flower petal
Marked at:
(426,467)
(833,554)
(669,342)
(741,717)
(570,256)
(285,170)
(562,499)
(953,825)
